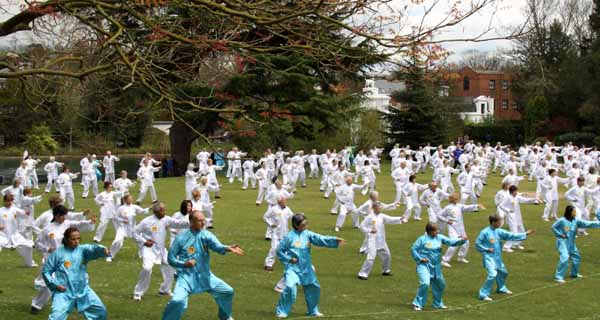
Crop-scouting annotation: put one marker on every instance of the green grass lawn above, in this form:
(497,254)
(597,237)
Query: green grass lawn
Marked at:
(343,296)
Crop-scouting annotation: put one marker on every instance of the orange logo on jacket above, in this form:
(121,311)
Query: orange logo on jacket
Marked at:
(191,250)
(51,235)
(492,240)
(67,264)
(154,228)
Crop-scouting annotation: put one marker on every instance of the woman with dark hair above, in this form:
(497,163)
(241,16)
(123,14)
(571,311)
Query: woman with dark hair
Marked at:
(185,208)
(565,230)
(65,274)
(107,200)
(489,243)
(125,222)
(427,253)
(294,254)
(49,240)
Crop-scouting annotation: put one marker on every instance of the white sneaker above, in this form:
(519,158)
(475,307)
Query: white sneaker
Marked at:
(520,247)
(137,297)
(507,292)
(415,308)
(318,314)
(34,265)
(108,259)
(282,316)
(579,275)
(277,289)
(463,260)
(546,219)
(337,229)
(417,219)
(509,250)
(487,299)
(560,280)
(446,264)
(444,307)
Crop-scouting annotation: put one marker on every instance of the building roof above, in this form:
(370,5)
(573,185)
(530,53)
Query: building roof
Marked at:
(388,87)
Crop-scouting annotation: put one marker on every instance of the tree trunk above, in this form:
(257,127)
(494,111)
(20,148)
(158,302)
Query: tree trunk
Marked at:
(181,138)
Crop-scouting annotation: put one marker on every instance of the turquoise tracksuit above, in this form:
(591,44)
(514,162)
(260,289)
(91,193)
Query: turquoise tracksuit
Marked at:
(68,267)
(296,244)
(430,272)
(491,237)
(189,245)
(566,246)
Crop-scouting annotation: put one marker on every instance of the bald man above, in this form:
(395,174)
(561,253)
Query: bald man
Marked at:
(189,255)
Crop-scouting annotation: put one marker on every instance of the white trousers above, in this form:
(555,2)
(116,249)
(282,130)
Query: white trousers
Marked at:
(117,244)
(109,176)
(384,255)
(144,189)
(410,206)
(462,252)
(145,275)
(271,256)
(51,182)
(87,183)
(68,197)
(551,208)
(342,215)
(249,176)
(262,191)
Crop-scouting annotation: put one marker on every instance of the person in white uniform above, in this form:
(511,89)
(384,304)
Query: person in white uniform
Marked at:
(374,228)
(51,169)
(151,234)
(125,219)
(146,176)
(109,166)
(452,216)
(107,200)
(277,217)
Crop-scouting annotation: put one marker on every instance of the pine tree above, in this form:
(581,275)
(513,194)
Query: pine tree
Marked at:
(421,116)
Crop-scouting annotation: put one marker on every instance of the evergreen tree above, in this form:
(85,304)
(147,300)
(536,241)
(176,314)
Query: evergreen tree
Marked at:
(422,115)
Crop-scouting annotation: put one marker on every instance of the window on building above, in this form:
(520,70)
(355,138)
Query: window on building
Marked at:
(466,84)
(492,84)
(515,106)
(482,108)
(505,104)
(505,85)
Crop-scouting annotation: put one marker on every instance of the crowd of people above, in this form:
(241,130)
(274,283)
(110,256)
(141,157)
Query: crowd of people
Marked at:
(277,177)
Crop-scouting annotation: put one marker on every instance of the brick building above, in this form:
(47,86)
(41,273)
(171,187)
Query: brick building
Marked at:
(494,84)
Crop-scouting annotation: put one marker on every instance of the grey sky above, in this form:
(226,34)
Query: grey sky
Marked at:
(502,16)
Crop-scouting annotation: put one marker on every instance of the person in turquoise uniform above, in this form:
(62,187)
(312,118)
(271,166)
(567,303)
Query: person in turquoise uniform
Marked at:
(189,255)
(294,254)
(565,230)
(65,274)
(489,243)
(426,252)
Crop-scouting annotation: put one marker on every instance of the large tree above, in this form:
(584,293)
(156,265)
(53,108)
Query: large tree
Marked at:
(173,47)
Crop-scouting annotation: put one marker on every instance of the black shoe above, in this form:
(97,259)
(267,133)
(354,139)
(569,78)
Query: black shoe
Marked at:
(210,227)
(362,278)
(217,197)
(386,274)
(268,239)
(35,310)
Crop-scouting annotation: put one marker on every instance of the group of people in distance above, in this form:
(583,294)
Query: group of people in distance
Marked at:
(56,233)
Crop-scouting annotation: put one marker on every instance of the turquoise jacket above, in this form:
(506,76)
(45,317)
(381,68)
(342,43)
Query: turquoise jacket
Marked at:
(491,237)
(297,244)
(430,248)
(195,245)
(68,267)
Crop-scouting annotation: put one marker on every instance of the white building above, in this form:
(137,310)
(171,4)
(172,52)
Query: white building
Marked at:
(378,94)
(482,107)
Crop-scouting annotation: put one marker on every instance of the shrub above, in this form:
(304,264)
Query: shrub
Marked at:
(39,141)
(578,138)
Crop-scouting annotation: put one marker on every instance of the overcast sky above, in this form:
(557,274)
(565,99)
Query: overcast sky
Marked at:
(501,16)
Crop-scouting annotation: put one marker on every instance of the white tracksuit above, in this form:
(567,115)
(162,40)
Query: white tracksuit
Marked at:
(514,220)
(10,236)
(107,201)
(376,243)
(155,229)
(277,218)
(452,215)
(411,193)
(146,176)
(51,169)
(65,187)
(126,223)
(109,167)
